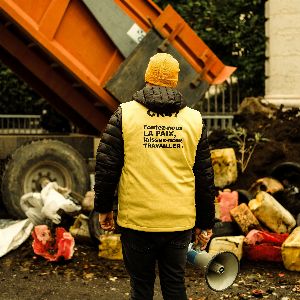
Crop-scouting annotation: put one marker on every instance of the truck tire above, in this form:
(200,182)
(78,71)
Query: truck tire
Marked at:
(31,163)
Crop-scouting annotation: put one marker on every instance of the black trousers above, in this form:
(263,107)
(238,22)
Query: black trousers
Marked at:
(141,251)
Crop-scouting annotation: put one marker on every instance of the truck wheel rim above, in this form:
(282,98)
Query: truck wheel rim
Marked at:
(46,170)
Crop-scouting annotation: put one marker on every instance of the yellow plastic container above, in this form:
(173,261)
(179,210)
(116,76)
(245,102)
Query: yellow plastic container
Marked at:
(80,228)
(225,166)
(290,251)
(110,246)
(245,219)
(232,244)
(271,213)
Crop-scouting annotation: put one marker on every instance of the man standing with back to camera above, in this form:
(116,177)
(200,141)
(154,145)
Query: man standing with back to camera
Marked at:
(156,149)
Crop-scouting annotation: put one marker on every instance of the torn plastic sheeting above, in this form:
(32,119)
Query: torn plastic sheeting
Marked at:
(52,248)
(13,233)
(263,252)
(264,246)
(226,201)
(258,237)
(39,207)
(31,204)
(53,200)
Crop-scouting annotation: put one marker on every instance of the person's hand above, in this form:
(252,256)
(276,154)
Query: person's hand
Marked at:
(202,237)
(106,221)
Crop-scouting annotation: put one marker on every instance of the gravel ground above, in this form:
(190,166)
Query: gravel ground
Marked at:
(86,276)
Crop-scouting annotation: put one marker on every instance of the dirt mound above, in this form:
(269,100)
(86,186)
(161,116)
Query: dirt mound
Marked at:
(280,130)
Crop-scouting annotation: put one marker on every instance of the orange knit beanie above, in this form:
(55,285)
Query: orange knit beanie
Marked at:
(162,70)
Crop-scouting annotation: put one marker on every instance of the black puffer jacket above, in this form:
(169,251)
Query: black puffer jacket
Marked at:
(110,156)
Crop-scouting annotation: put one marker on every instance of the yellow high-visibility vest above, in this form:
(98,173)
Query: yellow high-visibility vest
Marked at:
(157,186)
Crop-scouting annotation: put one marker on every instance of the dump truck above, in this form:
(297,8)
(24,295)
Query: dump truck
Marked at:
(86,57)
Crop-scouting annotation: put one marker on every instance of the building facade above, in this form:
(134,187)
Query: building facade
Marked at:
(282,67)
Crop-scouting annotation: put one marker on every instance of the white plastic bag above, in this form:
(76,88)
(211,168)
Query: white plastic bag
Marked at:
(13,234)
(53,201)
(39,207)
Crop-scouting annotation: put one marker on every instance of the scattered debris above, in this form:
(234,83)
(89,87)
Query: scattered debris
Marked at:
(232,244)
(52,248)
(80,229)
(225,201)
(267,283)
(291,251)
(225,166)
(264,246)
(245,219)
(271,213)
(53,200)
(88,201)
(266,184)
(258,293)
(40,208)
(110,246)
(296,289)
(13,233)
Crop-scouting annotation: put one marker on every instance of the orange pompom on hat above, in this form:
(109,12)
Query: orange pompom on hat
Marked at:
(162,70)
